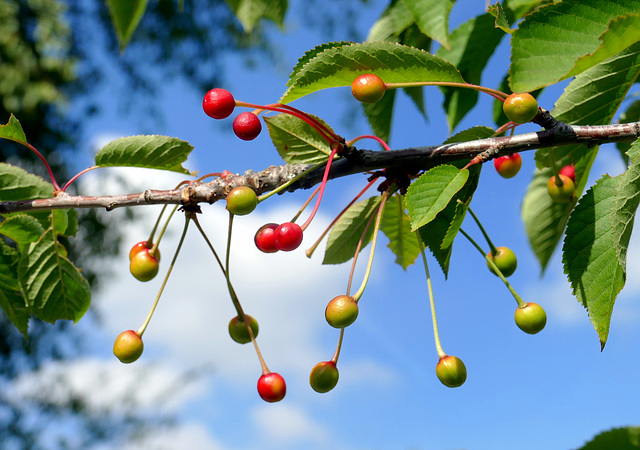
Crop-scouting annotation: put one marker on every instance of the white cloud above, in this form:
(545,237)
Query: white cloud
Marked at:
(287,423)
(187,435)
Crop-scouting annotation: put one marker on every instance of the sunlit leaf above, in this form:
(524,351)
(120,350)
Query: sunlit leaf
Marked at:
(397,227)
(297,142)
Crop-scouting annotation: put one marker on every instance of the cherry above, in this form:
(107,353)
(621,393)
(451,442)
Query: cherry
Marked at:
(238,329)
(341,311)
(218,103)
(265,238)
(508,166)
(324,376)
(368,88)
(271,387)
(505,259)
(288,236)
(531,318)
(563,193)
(570,171)
(128,346)
(144,266)
(520,108)
(247,126)
(140,246)
(451,371)
(242,200)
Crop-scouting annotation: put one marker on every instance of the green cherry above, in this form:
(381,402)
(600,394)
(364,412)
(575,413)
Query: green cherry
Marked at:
(520,108)
(564,192)
(242,201)
(128,346)
(238,329)
(531,318)
(324,376)
(341,311)
(144,266)
(451,371)
(505,259)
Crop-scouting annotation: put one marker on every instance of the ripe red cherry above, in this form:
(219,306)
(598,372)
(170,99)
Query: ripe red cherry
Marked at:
(271,387)
(242,200)
(288,236)
(520,108)
(341,311)
(563,193)
(368,88)
(144,266)
(128,346)
(531,318)
(505,259)
(324,376)
(451,371)
(508,166)
(238,329)
(569,171)
(218,103)
(265,238)
(247,126)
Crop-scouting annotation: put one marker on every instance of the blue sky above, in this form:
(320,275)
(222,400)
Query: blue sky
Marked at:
(554,390)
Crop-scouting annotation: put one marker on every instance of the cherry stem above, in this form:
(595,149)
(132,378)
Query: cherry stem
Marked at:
(370,136)
(142,329)
(284,186)
(521,303)
(360,291)
(432,304)
(226,262)
(325,177)
(78,175)
(304,206)
(493,248)
(556,173)
(498,95)
(56,187)
(359,246)
(154,249)
(312,249)
(336,355)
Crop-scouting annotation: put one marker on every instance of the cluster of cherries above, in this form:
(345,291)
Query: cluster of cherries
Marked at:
(341,311)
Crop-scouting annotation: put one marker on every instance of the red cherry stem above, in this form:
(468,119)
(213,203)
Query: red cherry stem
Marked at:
(304,206)
(498,95)
(370,136)
(56,187)
(325,177)
(78,175)
(312,249)
(142,329)
(521,303)
(432,304)
(494,251)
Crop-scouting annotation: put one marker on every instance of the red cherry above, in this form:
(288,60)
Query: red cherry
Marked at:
(271,387)
(265,238)
(288,236)
(508,166)
(128,346)
(569,171)
(247,126)
(218,103)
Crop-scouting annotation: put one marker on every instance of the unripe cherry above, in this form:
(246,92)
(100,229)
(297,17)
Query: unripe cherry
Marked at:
(505,259)
(238,329)
(368,88)
(271,387)
(520,108)
(324,376)
(218,103)
(265,238)
(288,236)
(341,311)
(508,166)
(144,266)
(247,126)
(128,346)
(451,371)
(563,193)
(142,245)
(531,318)
(242,200)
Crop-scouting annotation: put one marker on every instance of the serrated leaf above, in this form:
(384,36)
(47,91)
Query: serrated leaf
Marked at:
(310,54)
(592,97)
(11,301)
(394,63)
(501,20)
(297,142)
(627,438)
(397,227)
(13,131)
(152,152)
(54,288)
(125,16)
(250,12)
(432,16)
(432,192)
(21,228)
(347,231)
(549,41)
(471,134)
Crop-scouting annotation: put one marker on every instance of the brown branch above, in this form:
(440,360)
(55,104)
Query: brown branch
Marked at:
(355,161)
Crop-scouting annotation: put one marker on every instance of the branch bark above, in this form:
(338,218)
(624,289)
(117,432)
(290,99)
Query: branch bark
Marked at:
(355,161)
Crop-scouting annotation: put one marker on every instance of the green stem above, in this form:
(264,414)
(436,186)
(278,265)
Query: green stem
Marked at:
(336,355)
(358,247)
(164,228)
(142,329)
(226,262)
(432,304)
(493,266)
(499,95)
(494,251)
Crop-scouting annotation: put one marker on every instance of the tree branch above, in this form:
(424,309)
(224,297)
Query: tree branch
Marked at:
(355,161)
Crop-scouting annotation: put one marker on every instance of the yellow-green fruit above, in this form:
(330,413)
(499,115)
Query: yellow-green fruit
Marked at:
(564,192)
(242,200)
(324,376)
(128,346)
(238,329)
(341,311)
(531,318)
(520,108)
(451,371)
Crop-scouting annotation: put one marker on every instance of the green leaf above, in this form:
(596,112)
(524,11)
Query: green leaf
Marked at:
(347,231)
(432,192)
(297,141)
(397,227)
(13,131)
(472,45)
(595,247)
(627,438)
(632,114)
(21,228)
(394,63)
(152,152)
(501,20)
(593,98)
(53,287)
(250,12)
(394,20)
(432,16)
(126,15)
(380,114)
(310,54)
(11,300)
(471,134)
(65,222)
(549,41)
